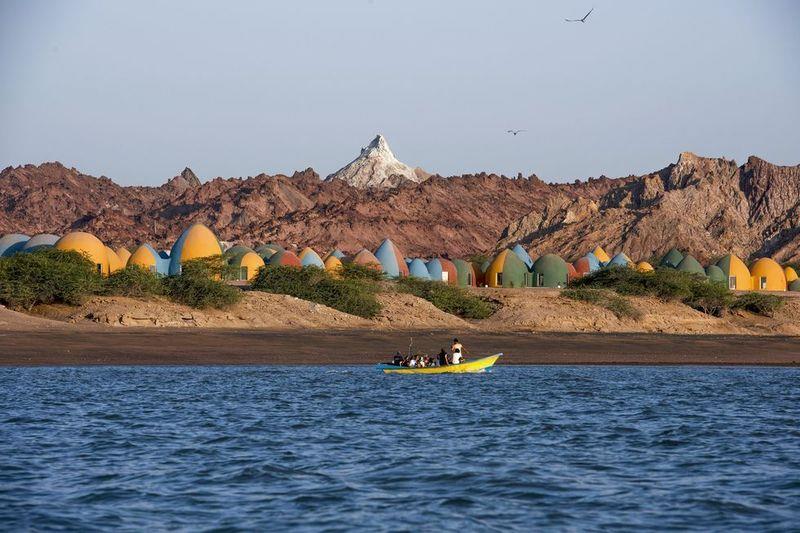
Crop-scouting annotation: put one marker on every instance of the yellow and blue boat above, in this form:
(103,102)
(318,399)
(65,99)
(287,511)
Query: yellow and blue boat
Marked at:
(477,365)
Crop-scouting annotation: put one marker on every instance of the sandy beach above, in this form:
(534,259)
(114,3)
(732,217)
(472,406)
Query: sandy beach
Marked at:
(147,346)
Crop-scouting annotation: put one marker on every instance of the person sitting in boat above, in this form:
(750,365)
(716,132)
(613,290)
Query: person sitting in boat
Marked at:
(442,357)
(412,362)
(456,350)
(398,359)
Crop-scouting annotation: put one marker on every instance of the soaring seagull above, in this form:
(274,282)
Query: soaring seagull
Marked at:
(586,16)
(514,132)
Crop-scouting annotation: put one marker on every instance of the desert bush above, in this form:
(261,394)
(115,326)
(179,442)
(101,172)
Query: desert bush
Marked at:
(133,281)
(710,298)
(664,283)
(47,276)
(448,298)
(360,272)
(760,304)
(354,295)
(617,304)
(200,284)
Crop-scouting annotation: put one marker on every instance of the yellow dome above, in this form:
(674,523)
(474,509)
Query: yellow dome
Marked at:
(249,265)
(143,256)
(737,273)
(333,264)
(767,275)
(114,262)
(87,244)
(644,266)
(601,255)
(495,268)
(790,273)
(123,255)
(196,242)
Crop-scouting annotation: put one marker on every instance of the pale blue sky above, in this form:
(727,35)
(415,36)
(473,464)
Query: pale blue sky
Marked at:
(137,90)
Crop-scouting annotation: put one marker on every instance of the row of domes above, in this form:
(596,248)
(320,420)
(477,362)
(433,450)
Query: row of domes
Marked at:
(513,267)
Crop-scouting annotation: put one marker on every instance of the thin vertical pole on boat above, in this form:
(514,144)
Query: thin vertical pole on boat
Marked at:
(410,347)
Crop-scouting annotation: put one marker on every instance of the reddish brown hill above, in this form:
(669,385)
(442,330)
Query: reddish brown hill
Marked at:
(706,205)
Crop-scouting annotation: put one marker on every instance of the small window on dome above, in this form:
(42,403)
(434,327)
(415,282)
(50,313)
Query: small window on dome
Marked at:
(763,282)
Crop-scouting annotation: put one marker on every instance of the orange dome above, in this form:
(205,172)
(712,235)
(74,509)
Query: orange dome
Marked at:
(89,245)
(767,275)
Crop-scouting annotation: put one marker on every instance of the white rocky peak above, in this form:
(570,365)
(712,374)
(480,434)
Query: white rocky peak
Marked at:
(377,166)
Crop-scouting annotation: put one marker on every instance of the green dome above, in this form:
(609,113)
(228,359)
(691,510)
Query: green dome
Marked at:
(671,259)
(795,285)
(716,274)
(690,264)
(550,271)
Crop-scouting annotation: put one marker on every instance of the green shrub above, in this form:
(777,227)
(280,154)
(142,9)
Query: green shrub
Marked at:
(760,304)
(448,298)
(355,296)
(619,305)
(133,281)
(47,276)
(664,283)
(710,298)
(360,272)
(200,284)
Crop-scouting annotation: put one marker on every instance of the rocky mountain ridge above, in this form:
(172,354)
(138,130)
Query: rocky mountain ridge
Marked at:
(708,206)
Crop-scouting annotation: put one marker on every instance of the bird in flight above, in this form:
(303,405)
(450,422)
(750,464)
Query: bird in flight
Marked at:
(514,132)
(586,16)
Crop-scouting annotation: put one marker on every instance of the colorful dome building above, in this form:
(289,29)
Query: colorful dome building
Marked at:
(147,257)
(333,264)
(88,245)
(715,274)
(417,269)
(391,259)
(285,258)
(736,272)
(124,254)
(767,275)
(366,258)
(248,264)
(571,272)
(790,273)
(644,266)
(12,243)
(195,242)
(550,271)
(465,272)
(587,264)
(691,265)
(671,259)
(601,255)
(523,255)
(114,262)
(795,286)
(308,257)
(441,269)
(507,270)
(40,242)
(621,260)
(337,253)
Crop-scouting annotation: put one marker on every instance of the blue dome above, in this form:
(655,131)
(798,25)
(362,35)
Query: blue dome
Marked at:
(37,242)
(524,256)
(417,269)
(594,262)
(12,243)
(434,267)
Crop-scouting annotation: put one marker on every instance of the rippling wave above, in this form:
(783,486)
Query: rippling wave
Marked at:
(313,448)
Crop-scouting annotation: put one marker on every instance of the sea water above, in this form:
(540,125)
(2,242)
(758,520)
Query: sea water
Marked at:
(272,448)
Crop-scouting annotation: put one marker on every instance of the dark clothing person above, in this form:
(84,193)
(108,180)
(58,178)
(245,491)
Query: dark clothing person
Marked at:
(442,358)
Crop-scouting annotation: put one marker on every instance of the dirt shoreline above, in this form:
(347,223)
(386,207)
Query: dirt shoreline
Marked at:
(179,346)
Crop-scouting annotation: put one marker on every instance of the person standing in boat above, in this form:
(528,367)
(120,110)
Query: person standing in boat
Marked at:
(442,358)
(456,349)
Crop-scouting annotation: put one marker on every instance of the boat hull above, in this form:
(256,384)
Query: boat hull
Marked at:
(477,365)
